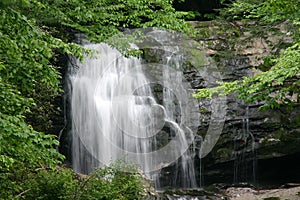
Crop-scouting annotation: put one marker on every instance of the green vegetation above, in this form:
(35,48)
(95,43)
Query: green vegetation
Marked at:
(279,83)
(110,182)
(22,151)
(268,11)
(118,181)
(34,35)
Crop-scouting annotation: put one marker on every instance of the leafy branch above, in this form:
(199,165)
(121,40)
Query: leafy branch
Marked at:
(278,86)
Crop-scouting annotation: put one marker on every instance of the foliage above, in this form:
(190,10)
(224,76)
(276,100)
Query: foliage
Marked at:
(51,184)
(110,182)
(26,53)
(35,30)
(117,181)
(101,19)
(280,83)
(22,150)
(33,34)
(268,11)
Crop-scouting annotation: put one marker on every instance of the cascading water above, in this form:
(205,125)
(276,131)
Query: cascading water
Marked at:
(173,58)
(245,153)
(116,115)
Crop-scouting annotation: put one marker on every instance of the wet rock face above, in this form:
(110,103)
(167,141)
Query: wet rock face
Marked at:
(250,137)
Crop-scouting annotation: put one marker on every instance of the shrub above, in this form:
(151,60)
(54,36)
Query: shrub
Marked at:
(117,181)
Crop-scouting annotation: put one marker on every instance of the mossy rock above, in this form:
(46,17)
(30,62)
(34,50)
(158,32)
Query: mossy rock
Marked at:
(224,153)
(295,122)
(196,59)
(280,144)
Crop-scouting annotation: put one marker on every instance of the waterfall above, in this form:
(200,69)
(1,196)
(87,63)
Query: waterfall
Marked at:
(117,115)
(245,153)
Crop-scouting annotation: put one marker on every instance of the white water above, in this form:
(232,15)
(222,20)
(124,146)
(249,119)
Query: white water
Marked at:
(245,153)
(116,116)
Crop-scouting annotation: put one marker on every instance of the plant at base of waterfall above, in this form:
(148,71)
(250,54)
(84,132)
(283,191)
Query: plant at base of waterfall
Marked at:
(280,83)
(116,181)
(60,183)
(110,182)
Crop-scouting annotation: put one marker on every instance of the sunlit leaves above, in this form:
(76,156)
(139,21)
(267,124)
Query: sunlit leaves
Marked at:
(268,11)
(279,82)
(119,180)
(101,19)
(12,102)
